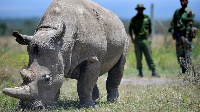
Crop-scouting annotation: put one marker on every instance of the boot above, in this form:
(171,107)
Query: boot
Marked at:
(154,74)
(140,73)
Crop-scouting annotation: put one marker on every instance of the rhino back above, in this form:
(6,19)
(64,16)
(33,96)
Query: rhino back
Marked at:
(91,31)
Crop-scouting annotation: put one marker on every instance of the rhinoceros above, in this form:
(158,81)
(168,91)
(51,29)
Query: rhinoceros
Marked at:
(75,39)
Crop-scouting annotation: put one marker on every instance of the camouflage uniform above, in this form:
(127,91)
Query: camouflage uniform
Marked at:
(181,23)
(142,29)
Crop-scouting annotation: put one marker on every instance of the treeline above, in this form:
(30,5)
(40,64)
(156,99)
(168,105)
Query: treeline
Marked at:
(27,26)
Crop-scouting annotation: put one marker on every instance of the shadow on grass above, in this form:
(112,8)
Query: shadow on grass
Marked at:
(66,104)
(99,102)
(74,104)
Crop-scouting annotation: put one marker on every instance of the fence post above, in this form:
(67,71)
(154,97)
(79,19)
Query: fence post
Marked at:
(152,23)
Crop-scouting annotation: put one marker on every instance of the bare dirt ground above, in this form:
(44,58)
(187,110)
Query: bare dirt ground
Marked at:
(145,81)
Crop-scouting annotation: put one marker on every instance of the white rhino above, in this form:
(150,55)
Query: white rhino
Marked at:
(75,39)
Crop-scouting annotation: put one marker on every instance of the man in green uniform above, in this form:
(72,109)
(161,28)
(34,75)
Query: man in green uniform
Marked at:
(181,24)
(141,26)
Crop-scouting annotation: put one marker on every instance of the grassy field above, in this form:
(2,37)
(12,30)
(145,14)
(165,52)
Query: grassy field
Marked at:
(171,92)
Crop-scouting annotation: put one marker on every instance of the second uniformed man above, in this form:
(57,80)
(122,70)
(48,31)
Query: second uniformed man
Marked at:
(181,25)
(141,26)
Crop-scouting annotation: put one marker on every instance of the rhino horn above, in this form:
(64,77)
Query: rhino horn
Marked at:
(27,75)
(22,92)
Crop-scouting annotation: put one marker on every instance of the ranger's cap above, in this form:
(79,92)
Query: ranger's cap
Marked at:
(140,6)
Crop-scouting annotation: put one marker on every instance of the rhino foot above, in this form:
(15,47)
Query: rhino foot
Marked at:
(87,104)
(113,96)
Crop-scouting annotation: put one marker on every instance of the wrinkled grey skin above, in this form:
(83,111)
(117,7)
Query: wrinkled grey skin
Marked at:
(75,39)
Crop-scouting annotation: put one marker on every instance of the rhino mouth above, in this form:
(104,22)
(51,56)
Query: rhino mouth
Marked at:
(21,92)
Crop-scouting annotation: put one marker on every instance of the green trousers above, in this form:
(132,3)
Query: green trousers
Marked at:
(184,55)
(143,46)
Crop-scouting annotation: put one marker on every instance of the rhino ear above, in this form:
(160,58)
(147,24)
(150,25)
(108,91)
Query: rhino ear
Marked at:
(22,39)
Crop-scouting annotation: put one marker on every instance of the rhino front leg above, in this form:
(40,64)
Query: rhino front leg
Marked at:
(57,96)
(114,78)
(89,72)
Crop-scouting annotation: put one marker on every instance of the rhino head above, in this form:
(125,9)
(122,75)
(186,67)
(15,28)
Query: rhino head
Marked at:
(45,72)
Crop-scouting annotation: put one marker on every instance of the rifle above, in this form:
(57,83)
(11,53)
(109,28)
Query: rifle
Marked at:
(182,38)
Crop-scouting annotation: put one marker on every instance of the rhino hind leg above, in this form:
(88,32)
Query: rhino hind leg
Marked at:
(115,75)
(95,93)
(89,72)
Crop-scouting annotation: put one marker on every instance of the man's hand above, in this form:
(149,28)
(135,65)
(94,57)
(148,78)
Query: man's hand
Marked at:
(150,38)
(184,40)
(133,40)
(173,36)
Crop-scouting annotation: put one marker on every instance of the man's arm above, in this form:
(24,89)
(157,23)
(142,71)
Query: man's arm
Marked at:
(171,29)
(131,32)
(150,30)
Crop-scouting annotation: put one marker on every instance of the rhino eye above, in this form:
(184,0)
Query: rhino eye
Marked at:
(47,78)
(47,81)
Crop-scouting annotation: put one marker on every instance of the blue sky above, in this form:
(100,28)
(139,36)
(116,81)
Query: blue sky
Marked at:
(125,9)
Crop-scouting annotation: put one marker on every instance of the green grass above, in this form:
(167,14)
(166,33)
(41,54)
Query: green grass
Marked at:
(172,97)
(179,93)
(11,62)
